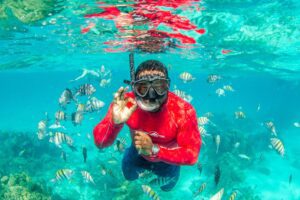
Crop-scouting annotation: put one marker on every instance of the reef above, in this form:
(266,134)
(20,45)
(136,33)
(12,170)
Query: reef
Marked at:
(20,186)
(30,10)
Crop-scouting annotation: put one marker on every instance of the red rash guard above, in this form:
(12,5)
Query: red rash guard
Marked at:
(174,129)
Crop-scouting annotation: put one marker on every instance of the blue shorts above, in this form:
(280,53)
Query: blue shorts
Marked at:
(133,164)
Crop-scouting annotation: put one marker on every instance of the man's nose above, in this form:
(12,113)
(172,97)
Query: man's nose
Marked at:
(152,93)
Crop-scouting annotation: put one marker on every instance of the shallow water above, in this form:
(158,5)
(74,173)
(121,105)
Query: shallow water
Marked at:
(40,58)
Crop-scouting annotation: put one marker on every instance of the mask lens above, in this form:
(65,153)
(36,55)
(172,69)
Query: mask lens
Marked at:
(161,86)
(142,87)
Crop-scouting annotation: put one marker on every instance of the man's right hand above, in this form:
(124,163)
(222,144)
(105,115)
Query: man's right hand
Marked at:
(121,112)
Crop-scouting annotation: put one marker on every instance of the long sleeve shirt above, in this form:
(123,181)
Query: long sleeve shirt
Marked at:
(173,128)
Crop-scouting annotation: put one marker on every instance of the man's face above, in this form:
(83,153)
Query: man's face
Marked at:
(151,90)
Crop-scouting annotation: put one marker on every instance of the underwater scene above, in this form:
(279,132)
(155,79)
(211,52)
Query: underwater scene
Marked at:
(235,62)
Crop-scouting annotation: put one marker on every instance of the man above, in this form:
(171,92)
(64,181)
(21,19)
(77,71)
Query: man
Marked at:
(163,127)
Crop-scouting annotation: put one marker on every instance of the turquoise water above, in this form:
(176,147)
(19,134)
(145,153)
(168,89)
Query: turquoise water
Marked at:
(40,57)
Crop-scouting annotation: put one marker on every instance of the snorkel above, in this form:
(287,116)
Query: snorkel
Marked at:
(131,68)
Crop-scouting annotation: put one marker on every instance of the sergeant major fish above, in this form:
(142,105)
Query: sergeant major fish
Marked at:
(186,77)
(213,78)
(87,177)
(65,98)
(58,138)
(277,145)
(150,192)
(63,174)
(77,118)
(85,89)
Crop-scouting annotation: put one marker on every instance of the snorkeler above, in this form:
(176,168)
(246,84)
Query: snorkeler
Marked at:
(163,126)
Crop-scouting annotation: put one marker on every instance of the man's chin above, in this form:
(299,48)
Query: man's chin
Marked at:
(146,105)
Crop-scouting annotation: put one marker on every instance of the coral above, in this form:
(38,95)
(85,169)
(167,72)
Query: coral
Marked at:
(20,186)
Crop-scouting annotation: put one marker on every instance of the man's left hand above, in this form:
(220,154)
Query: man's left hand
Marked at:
(143,143)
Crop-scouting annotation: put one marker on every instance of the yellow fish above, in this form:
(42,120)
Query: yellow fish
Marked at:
(232,196)
(202,187)
(278,146)
(148,190)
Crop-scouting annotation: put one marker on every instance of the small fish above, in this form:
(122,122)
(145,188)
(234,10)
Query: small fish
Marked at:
(233,195)
(58,138)
(21,153)
(297,124)
(120,145)
(63,174)
(85,89)
(199,167)
(60,115)
(42,125)
(84,153)
(228,88)
(183,95)
(42,128)
(113,161)
(87,177)
(65,98)
(243,156)
(217,142)
(94,104)
(218,195)
(150,192)
(64,156)
(258,108)
(270,125)
(161,181)
(186,77)
(202,121)
(104,82)
(77,118)
(290,179)
(56,125)
(212,78)
(208,114)
(236,145)
(146,174)
(239,115)
(217,174)
(201,189)
(277,145)
(220,92)
(41,134)
(80,107)
(203,131)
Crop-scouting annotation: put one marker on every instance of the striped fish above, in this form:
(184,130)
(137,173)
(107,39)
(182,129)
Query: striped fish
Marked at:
(80,107)
(203,131)
(87,177)
(270,125)
(94,104)
(60,138)
(85,89)
(233,195)
(63,174)
(218,195)
(201,189)
(240,115)
(228,88)
(161,181)
(186,77)
(220,92)
(202,121)
(60,115)
(213,78)
(183,95)
(148,190)
(277,145)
